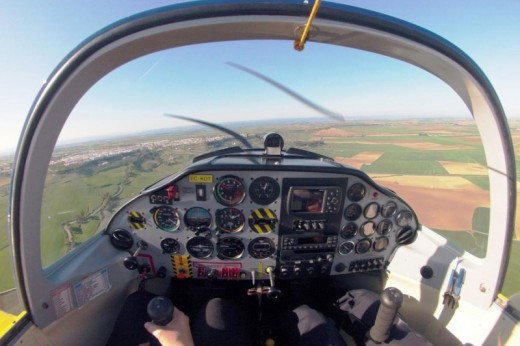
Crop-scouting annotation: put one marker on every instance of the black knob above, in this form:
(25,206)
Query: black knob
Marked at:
(121,239)
(274,293)
(161,272)
(131,263)
(160,310)
(391,301)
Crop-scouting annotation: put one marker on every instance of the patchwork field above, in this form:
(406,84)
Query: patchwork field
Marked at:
(437,166)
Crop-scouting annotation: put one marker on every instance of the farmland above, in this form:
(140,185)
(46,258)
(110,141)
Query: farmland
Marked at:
(438,166)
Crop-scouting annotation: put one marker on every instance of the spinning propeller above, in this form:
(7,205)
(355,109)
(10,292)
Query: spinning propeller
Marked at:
(239,137)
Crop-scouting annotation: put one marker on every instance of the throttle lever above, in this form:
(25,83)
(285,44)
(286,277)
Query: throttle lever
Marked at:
(273,292)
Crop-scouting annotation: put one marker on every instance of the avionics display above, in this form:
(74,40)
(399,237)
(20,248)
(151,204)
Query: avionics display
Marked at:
(306,200)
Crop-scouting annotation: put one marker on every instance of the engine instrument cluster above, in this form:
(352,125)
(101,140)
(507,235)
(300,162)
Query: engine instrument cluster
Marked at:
(234,216)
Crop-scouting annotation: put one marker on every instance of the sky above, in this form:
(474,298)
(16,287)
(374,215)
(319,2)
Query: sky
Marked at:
(36,35)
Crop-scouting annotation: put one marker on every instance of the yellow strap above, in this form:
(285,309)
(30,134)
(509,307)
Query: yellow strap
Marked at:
(299,45)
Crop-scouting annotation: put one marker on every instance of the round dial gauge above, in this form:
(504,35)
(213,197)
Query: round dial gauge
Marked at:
(170,245)
(230,190)
(380,243)
(166,218)
(368,229)
(371,210)
(404,218)
(230,248)
(261,247)
(356,192)
(345,248)
(264,190)
(352,212)
(229,220)
(200,247)
(349,230)
(363,245)
(384,227)
(389,209)
(197,219)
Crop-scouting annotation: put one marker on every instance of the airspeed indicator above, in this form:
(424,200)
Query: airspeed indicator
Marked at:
(166,218)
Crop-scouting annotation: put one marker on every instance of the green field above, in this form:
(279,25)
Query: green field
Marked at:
(80,194)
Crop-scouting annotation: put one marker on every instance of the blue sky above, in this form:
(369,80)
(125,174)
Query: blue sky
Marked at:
(36,35)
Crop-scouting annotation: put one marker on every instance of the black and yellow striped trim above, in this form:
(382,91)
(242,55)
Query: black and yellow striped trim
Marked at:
(263,220)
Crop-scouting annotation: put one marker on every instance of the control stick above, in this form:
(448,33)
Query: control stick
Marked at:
(160,310)
(391,301)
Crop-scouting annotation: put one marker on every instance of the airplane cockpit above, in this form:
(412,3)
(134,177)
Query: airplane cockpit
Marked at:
(246,214)
(379,224)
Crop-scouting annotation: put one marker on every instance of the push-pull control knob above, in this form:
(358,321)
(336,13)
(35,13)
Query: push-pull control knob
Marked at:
(131,262)
(391,301)
(160,310)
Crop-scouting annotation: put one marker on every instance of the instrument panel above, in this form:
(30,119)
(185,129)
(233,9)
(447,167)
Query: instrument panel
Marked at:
(236,223)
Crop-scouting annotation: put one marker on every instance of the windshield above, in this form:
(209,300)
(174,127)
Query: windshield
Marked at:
(120,139)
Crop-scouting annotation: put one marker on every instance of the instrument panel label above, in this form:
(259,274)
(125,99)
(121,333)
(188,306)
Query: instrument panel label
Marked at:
(62,300)
(92,287)
(201,178)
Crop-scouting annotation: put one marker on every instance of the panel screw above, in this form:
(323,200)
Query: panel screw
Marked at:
(483,288)
(45,306)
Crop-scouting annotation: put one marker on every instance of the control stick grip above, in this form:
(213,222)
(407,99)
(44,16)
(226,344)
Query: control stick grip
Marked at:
(160,310)
(391,301)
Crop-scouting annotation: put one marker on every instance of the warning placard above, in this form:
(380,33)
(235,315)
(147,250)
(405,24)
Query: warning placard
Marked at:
(91,287)
(62,300)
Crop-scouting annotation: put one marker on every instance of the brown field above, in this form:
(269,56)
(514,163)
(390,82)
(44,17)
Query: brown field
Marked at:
(464,168)
(333,132)
(444,203)
(4,181)
(409,145)
(430,146)
(360,159)
(427,181)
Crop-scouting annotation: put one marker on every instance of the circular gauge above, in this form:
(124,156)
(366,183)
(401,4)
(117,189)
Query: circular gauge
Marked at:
(404,218)
(261,247)
(166,218)
(197,218)
(230,190)
(389,209)
(262,220)
(352,212)
(264,190)
(371,210)
(380,244)
(200,247)
(363,245)
(230,248)
(229,220)
(349,230)
(368,228)
(170,245)
(356,192)
(345,248)
(384,227)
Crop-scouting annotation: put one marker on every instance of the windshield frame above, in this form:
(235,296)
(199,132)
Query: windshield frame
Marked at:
(185,24)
